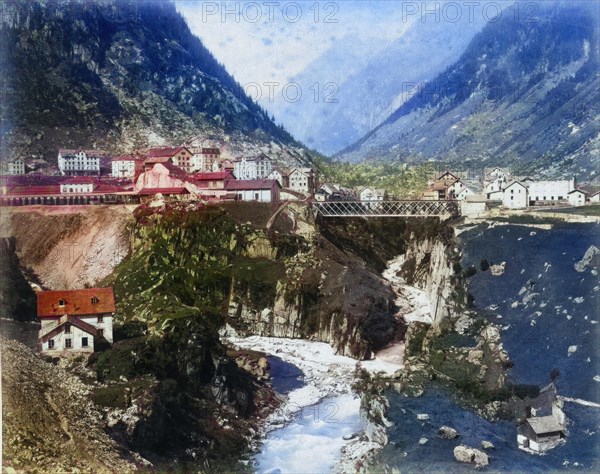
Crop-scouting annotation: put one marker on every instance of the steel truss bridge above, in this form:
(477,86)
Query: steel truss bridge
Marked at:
(387,208)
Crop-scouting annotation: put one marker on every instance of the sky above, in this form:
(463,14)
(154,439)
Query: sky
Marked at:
(267,41)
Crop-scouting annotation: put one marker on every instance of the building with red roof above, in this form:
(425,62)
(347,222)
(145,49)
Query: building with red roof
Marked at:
(257,190)
(74,320)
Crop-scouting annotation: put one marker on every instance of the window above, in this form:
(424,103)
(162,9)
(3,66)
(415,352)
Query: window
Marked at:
(67,328)
(100,332)
(68,344)
(61,302)
(256,196)
(94,300)
(84,342)
(51,344)
(100,319)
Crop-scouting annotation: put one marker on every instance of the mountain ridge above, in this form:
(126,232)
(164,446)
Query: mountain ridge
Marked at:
(119,75)
(523,94)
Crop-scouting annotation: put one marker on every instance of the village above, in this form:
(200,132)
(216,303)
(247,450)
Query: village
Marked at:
(187,172)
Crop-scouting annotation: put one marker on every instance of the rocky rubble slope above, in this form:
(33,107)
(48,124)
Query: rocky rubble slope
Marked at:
(49,424)
(67,248)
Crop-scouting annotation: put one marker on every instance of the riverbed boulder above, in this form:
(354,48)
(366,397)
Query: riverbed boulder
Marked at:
(498,270)
(446,432)
(591,257)
(487,445)
(470,455)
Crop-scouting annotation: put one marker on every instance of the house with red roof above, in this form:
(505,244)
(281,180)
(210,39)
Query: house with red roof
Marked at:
(74,321)
(255,190)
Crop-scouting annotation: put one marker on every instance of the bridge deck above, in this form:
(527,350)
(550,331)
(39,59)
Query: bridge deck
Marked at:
(387,208)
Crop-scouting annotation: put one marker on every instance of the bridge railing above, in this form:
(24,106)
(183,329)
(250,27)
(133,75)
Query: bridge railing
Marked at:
(387,208)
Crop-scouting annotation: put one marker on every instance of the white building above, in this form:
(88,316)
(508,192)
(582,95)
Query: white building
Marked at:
(549,191)
(204,159)
(515,195)
(127,166)
(577,197)
(259,167)
(464,194)
(281,176)
(78,184)
(301,180)
(595,197)
(79,162)
(372,194)
(75,320)
(14,167)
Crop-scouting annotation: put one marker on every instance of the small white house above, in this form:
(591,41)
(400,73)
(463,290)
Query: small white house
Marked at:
(77,185)
(577,197)
(464,194)
(75,320)
(595,197)
(515,195)
(279,175)
(126,166)
(372,194)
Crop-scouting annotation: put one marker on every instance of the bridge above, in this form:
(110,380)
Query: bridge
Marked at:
(387,208)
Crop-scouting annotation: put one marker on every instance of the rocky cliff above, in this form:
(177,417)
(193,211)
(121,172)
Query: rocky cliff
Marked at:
(427,264)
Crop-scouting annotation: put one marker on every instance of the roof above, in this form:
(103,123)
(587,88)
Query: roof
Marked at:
(243,185)
(94,153)
(77,302)
(164,151)
(128,158)
(212,176)
(167,191)
(447,173)
(578,191)
(157,159)
(33,190)
(545,424)
(514,182)
(53,330)
(79,180)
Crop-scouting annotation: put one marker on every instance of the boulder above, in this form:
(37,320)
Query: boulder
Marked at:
(445,432)
(470,455)
(423,441)
(487,445)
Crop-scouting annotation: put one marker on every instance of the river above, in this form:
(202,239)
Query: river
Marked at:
(549,315)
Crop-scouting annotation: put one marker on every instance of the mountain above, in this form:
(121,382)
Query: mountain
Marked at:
(361,82)
(116,75)
(525,93)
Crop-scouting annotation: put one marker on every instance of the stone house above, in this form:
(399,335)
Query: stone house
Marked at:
(515,195)
(577,197)
(75,320)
